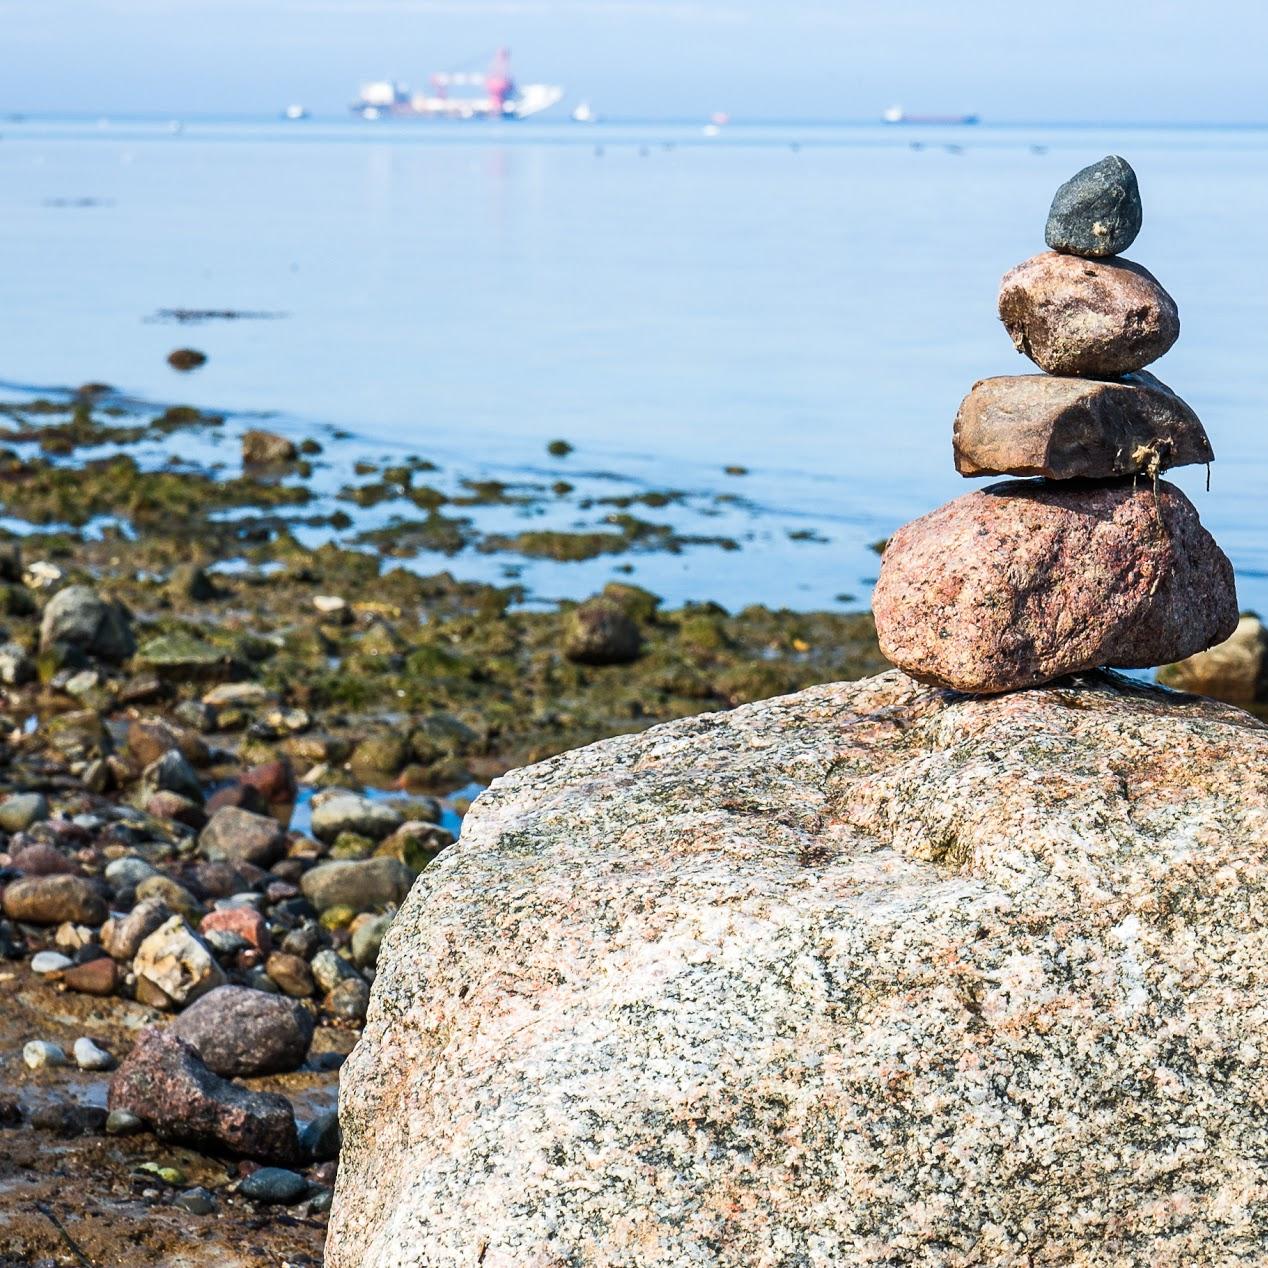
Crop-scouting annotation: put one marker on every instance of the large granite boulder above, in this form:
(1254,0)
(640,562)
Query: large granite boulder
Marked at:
(872,974)
(1025,580)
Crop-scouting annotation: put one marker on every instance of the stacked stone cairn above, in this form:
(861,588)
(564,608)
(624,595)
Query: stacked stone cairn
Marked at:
(1097,561)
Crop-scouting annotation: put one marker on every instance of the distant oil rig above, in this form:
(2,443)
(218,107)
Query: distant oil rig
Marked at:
(489,94)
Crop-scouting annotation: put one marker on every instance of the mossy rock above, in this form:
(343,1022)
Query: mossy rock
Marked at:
(638,604)
(704,633)
(181,657)
(351,845)
(380,755)
(441,735)
(338,917)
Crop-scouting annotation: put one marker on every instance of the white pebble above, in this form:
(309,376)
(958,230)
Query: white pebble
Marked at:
(39,1053)
(49,962)
(88,1056)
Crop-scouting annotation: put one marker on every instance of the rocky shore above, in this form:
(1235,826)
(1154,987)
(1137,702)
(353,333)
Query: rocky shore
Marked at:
(218,783)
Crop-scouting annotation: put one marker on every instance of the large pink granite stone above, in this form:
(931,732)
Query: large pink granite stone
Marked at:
(1025,581)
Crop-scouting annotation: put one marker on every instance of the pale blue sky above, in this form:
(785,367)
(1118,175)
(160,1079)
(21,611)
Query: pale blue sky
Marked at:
(1130,60)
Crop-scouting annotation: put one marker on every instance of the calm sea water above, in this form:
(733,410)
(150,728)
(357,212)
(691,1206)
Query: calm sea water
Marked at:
(808,302)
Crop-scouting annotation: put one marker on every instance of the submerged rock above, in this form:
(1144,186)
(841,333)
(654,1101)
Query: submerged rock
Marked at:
(1025,581)
(1068,428)
(869,974)
(1101,318)
(164,1082)
(1097,212)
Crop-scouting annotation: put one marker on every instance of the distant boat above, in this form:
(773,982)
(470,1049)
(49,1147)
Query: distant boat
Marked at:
(496,96)
(585,113)
(295,112)
(896,114)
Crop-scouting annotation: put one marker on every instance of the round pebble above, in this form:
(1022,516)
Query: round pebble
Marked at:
(88,1056)
(39,1053)
(123,1123)
(274,1184)
(49,962)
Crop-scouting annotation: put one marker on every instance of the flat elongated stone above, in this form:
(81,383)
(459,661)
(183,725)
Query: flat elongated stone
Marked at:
(874,974)
(1097,212)
(1099,318)
(1069,428)
(1025,581)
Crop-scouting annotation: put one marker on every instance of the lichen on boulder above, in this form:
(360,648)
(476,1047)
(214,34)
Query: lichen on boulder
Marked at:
(871,974)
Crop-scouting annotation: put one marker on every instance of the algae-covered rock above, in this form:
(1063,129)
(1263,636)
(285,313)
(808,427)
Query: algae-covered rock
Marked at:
(184,657)
(600,632)
(875,973)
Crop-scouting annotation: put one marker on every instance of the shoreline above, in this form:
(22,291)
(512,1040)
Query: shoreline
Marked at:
(304,668)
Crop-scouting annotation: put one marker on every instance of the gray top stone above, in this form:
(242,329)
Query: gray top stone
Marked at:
(1097,212)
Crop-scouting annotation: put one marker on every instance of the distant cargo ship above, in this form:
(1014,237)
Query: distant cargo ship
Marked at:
(491,94)
(896,114)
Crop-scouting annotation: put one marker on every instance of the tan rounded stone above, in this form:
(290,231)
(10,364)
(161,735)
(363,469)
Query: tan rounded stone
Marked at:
(1099,318)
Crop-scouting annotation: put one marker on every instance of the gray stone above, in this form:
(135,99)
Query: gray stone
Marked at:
(171,772)
(16,667)
(274,1185)
(43,962)
(1070,428)
(366,940)
(350,1000)
(79,618)
(19,812)
(123,1123)
(1097,212)
(347,812)
(329,968)
(320,1137)
(197,1201)
(128,872)
(39,1053)
(362,884)
(90,1056)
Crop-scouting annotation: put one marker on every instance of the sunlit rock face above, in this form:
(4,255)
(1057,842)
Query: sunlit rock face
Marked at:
(872,974)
